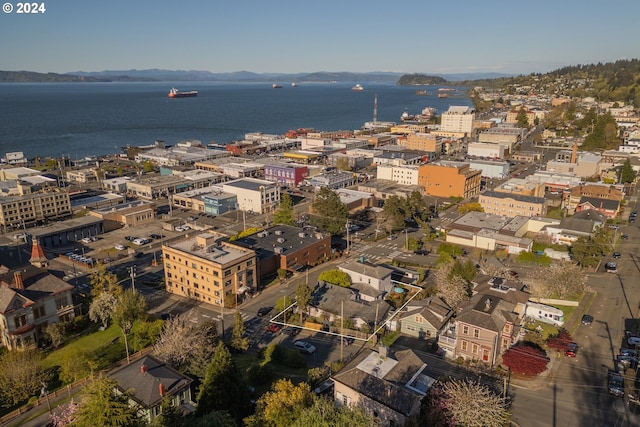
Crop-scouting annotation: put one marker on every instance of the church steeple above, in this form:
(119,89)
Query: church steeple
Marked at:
(38,258)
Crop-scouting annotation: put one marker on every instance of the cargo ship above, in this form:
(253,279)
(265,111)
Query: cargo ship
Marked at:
(276,86)
(175,93)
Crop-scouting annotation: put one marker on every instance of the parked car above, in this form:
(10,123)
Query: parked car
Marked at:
(587,319)
(628,352)
(611,267)
(421,252)
(304,347)
(572,349)
(325,388)
(291,331)
(615,384)
(273,328)
(391,237)
(617,255)
(130,238)
(626,362)
(120,247)
(140,241)
(156,236)
(624,237)
(633,341)
(263,311)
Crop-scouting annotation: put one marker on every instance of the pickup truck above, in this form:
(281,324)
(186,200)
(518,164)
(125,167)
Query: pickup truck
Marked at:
(615,385)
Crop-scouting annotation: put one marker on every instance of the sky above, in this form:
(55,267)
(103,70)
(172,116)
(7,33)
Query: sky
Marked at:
(302,36)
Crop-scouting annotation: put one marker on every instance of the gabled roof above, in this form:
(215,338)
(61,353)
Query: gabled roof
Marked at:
(598,203)
(38,284)
(397,383)
(434,310)
(487,312)
(142,378)
(366,269)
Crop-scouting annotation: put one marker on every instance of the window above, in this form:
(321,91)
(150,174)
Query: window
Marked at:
(465,330)
(474,349)
(464,345)
(476,333)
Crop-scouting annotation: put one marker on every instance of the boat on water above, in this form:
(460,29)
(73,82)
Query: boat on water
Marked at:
(422,92)
(276,86)
(175,93)
(424,116)
(357,88)
(443,95)
(294,84)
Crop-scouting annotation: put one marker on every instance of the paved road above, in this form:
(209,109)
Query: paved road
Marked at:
(577,394)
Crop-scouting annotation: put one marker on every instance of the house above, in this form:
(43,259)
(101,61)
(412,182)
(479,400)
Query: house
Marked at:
(330,302)
(30,299)
(605,206)
(486,328)
(148,381)
(388,387)
(376,276)
(425,318)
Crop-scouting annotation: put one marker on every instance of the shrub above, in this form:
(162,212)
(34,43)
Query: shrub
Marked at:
(561,341)
(260,374)
(525,360)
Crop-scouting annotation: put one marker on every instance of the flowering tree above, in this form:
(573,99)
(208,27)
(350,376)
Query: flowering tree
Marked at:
(66,416)
(561,341)
(463,403)
(525,360)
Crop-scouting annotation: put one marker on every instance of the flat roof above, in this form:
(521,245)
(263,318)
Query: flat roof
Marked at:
(216,251)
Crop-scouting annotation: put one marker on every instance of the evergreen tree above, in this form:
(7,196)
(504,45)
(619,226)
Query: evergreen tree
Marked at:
(522,119)
(102,407)
(303,297)
(238,341)
(329,213)
(284,213)
(627,174)
(223,387)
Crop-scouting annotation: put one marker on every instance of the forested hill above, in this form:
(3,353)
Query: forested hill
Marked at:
(33,77)
(421,79)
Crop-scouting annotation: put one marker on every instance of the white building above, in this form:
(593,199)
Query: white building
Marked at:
(458,119)
(407,174)
(487,150)
(254,195)
(491,169)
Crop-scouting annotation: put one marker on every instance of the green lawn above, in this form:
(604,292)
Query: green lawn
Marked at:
(86,343)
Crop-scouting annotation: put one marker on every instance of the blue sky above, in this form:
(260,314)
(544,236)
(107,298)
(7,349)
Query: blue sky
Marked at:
(283,36)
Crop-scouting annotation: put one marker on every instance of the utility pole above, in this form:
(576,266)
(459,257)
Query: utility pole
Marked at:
(132,274)
(341,330)
(406,239)
(347,227)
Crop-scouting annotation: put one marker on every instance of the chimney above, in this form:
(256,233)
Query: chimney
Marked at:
(487,304)
(17,279)
(143,368)
(161,389)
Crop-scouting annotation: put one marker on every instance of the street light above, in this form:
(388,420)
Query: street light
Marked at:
(132,274)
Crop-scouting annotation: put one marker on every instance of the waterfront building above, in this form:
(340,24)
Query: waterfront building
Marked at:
(28,209)
(286,174)
(253,195)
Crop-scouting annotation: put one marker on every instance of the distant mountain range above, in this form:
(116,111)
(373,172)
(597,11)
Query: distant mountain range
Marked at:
(156,75)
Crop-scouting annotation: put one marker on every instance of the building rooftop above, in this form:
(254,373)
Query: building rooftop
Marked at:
(517,197)
(249,184)
(210,246)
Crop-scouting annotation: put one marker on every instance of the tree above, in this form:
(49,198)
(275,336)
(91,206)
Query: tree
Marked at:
(66,416)
(21,376)
(281,406)
(180,341)
(451,287)
(145,332)
(525,360)
(75,365)
(559,280)
(329,214)
(303,297)
(335,277)
(325,413)
(239,341)
(102,280)
(102,307)
(464,403)
(130,307)
(394,212)
(470,207)
(56,332)
(100,406)
(561,341)
(627,174)
(522,119)
(284,213)
(223,387)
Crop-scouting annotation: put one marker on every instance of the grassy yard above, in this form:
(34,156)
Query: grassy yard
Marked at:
(88,343)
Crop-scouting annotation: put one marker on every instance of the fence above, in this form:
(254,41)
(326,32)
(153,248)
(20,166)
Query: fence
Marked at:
(46,400)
